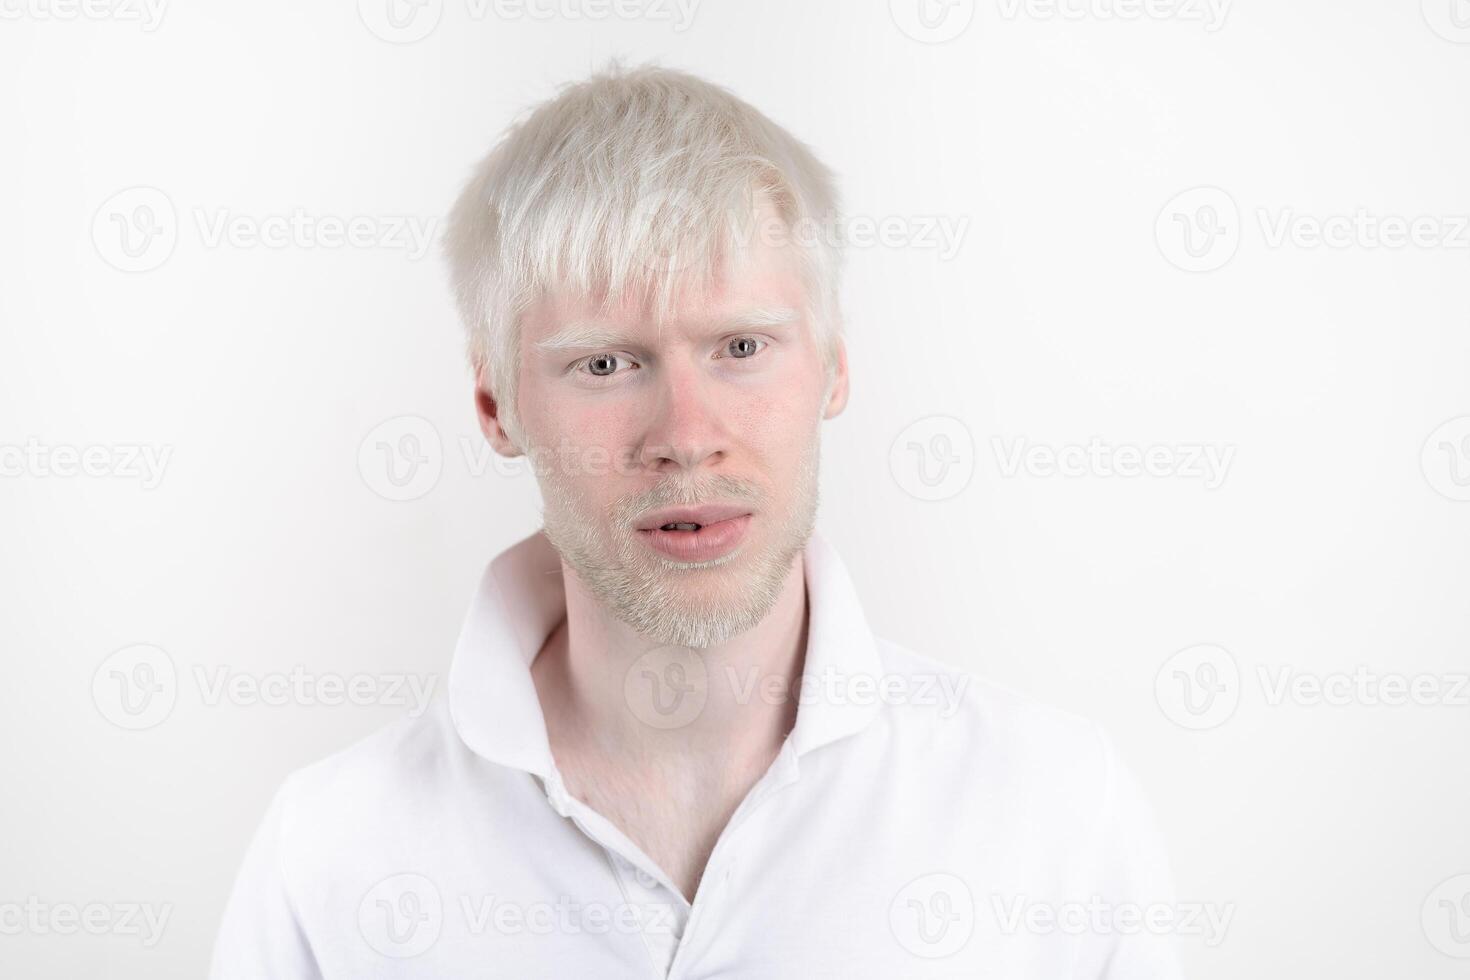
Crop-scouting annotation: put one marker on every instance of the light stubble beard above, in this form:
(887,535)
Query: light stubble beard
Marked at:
(668,601)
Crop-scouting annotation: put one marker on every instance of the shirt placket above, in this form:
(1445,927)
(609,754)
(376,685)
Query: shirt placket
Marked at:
(660,911)
(665,918)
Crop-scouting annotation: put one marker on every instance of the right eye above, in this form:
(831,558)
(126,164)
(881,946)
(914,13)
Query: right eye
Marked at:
(601,365)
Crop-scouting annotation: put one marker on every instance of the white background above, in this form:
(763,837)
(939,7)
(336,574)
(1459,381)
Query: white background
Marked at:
(1059,140)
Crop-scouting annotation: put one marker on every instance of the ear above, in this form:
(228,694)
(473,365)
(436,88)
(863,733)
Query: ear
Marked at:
(837,390)
(487,409)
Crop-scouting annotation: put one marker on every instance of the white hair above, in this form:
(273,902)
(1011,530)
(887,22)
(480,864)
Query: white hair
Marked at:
(632,183)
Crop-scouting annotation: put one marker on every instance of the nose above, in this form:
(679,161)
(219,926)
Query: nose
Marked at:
(685,431)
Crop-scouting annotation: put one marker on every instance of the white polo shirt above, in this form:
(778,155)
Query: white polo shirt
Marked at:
(916,823)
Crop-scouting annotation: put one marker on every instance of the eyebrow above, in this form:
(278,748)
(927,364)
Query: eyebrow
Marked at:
(587,336)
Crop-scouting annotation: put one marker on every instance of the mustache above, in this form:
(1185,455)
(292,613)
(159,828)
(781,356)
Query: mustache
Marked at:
(682,492)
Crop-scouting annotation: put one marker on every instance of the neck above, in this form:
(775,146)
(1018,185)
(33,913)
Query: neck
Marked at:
(746,683)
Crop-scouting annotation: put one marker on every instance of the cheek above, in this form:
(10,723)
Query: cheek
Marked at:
(774,427)
(593,444)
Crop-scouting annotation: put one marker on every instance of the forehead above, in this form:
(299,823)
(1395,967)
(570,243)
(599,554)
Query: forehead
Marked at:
(760,283)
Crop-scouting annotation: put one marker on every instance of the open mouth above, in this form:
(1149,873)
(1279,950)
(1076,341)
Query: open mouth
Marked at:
(698,540)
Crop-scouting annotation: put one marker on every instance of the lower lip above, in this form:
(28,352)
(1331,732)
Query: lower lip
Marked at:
(711,541)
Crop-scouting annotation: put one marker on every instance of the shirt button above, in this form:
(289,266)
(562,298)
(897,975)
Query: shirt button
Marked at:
(645,879)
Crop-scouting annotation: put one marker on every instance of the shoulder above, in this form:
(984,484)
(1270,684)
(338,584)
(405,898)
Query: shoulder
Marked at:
(968,723)
(382,783)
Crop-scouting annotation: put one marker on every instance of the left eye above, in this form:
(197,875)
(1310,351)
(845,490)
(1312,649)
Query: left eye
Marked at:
(742,348)
(602,365)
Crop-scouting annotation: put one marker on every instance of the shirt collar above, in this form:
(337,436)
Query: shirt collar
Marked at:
(520,599)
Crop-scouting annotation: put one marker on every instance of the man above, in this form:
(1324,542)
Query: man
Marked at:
(670,745)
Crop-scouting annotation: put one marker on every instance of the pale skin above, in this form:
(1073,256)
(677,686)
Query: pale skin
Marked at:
(688,404)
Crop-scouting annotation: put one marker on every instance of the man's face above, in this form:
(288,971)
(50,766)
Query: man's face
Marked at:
(722,408)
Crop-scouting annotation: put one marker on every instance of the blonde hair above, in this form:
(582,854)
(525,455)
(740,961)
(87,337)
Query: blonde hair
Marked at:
(632,182)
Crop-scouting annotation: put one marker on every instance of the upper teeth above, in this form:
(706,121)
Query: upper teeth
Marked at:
(681,527)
